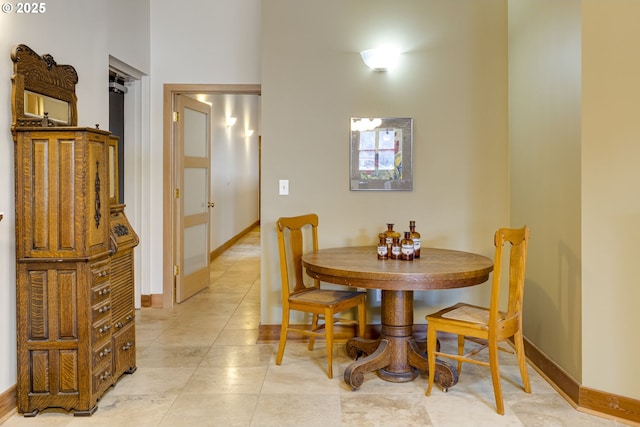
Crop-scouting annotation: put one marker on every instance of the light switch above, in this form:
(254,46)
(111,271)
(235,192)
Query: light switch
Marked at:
(284,187)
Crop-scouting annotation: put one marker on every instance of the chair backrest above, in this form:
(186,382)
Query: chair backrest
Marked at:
(291,243)
(519,240)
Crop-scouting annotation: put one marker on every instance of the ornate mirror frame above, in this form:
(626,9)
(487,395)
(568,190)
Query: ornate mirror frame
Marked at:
(41,78)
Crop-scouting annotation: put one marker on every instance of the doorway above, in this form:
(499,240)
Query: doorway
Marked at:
(170,215)
(117,91)
(127,120)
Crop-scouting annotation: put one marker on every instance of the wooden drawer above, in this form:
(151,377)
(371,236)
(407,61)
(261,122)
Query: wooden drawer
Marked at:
(124,345)
(100,293)
(102,353)
(102,378)
(101,331)
(100,272)
(123,322)
(101,311)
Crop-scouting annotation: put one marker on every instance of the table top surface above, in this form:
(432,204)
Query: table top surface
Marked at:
(359,266)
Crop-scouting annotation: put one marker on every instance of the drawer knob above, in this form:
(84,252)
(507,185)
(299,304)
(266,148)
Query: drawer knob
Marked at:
(104,329)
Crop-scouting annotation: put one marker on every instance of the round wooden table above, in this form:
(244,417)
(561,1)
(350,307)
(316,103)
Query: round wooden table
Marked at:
(395,354)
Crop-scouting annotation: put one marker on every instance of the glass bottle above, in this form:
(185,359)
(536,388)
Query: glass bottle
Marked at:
(415,236)
(383,249)
(390,234)
(407,247)
(396,249)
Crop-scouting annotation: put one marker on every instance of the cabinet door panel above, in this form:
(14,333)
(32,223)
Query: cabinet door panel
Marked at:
(36,287)
(68,371)
(67,290)
(97,196)
(40,195)
(40,368)
(63,182)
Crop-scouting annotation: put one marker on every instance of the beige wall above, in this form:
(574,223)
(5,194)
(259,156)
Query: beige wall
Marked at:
(451,79)
(610,198)
(574,133)
(544,126)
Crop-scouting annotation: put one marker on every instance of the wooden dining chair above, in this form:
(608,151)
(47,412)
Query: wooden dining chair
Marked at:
(488,326)
(323,304)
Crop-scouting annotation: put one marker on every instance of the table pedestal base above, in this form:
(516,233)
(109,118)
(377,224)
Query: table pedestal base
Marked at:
(395,355)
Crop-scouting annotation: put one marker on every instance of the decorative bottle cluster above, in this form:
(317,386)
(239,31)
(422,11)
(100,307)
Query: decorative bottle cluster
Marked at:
(391,244)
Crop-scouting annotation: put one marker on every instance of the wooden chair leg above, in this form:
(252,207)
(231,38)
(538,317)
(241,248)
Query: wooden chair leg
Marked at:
(522,361)
(314,326)
(495,375)
(460,352)
(328,330)
(432,338)
(283,338)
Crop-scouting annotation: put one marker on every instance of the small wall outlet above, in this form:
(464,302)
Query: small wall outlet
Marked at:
(378,295)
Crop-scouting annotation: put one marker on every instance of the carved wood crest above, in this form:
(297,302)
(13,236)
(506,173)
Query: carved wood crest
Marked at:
(42,78)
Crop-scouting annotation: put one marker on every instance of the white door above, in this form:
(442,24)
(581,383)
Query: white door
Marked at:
(192,197)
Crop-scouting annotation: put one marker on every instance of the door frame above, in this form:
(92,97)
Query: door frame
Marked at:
(168,214)
(136,118)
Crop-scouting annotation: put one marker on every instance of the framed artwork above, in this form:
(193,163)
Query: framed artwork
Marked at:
(381,154)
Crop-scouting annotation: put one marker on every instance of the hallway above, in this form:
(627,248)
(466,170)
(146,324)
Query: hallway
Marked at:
(199,365)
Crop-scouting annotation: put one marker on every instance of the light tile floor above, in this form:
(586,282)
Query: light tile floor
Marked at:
(199,365)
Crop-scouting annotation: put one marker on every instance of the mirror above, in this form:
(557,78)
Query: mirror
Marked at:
(381,151)
(43,93)
(113,170)
(37,105)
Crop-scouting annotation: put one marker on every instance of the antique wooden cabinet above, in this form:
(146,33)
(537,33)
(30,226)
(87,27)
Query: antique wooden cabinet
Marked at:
(74,251)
